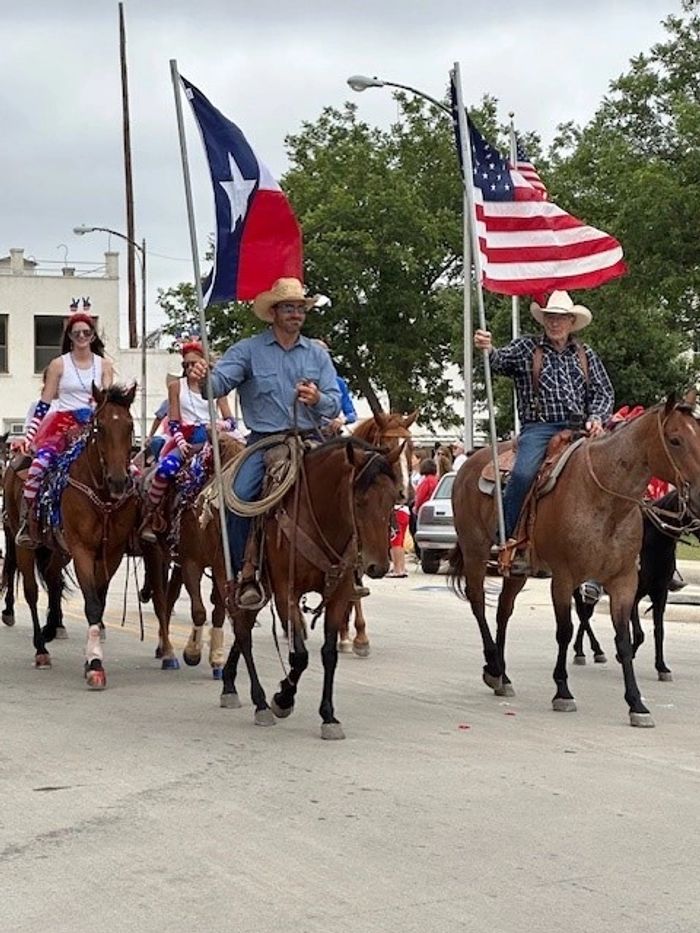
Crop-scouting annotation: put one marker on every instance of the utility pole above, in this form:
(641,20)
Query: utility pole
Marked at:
(130,252)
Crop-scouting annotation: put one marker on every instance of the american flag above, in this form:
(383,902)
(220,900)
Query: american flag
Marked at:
(528,245)
(527,169)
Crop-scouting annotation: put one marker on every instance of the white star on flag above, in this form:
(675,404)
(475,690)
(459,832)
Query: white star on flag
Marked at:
(238,190)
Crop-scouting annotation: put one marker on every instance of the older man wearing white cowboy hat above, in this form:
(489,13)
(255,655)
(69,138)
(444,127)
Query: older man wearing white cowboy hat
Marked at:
(272,371)
(559,383)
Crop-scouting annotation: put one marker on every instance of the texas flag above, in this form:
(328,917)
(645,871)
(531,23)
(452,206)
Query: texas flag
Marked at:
(258,238)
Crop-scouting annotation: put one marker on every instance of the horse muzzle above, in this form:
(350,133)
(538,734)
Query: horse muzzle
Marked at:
(376,571)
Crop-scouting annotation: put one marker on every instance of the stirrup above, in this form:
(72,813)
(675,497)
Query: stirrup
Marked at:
(590,592)
(249,595)
(359,591)
(23,538)
(511,561)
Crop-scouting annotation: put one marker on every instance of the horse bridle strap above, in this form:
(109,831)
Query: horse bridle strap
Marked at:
(307,547)
(104,506)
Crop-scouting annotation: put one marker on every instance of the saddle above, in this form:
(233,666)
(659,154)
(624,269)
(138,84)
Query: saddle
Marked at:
(559,449)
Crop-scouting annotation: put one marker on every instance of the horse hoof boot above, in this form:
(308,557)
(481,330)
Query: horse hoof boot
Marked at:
(362,651)
(580,659)
(564,705)
(96,680)
(191,659)
(643,720)
(61,633)
(666,676)
(345,646)
(600,658)
(229,701)
(264,717)
(8,618)
(217,673)
(42,662)
(170,664)
(332,730)
(495,683)
(279,712)
(506,690)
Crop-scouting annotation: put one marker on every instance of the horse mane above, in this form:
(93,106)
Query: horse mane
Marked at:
(377,466)
(118,394)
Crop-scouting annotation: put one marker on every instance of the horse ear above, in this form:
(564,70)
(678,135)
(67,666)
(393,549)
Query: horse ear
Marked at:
(395,453)
(670,403)
(350,453)
(381,420)
(98,394)
(131,394)
(3,437)
(409,419)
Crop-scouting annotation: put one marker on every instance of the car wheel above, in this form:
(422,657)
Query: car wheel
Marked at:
(429,561)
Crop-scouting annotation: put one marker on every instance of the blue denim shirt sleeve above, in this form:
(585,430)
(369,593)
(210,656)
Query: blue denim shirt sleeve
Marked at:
(231,370)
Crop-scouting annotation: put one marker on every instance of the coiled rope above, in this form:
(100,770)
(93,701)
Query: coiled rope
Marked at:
(292,465)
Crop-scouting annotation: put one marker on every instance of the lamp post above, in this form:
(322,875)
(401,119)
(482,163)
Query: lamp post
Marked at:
(141,249)
(361,83)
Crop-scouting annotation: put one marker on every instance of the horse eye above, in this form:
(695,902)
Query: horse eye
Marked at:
(674,441)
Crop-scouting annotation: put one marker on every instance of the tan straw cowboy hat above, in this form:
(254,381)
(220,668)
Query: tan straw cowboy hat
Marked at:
(282,290)
(561,303)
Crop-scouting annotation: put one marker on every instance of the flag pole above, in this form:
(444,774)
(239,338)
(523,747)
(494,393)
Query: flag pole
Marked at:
(467,180)
(515,300)
(202,319)
(468,328)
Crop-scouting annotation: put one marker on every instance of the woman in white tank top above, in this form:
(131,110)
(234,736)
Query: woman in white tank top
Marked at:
(68,392)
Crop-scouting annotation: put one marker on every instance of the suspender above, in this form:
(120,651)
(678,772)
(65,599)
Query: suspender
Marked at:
(537,360)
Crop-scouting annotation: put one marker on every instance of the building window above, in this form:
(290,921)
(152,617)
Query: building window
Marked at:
(48,333)
(3,343)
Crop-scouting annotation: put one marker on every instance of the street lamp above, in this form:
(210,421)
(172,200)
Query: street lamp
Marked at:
(81,230)
(360,83)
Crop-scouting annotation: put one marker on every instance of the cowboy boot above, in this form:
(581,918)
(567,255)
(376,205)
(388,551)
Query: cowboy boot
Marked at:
(359,590)
(28,534)
(152,523)
(249,592)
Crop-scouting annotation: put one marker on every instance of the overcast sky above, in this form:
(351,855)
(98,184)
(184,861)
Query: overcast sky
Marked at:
(268,66)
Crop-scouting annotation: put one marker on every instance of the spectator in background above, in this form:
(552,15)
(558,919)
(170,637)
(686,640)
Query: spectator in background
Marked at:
(397,539)
(458,455)
(347,415)
(426,487)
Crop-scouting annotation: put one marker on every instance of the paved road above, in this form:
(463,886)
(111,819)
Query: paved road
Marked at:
(149,808)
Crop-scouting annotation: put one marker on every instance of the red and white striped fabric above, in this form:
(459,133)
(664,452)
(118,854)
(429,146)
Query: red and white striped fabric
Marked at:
(528,170)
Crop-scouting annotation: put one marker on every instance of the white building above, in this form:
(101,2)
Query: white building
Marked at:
(35,300)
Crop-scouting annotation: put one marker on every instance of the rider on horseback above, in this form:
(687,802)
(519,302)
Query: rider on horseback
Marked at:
(559,384)
(188,417)
(273,371)
(69,381)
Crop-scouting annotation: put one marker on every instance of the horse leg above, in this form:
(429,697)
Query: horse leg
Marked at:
(283,701)
(344,640)
(173,586)
(658,606)
(475,572)
(157,570)
(506,602)
(330,727)
(360,644)
(584,613)
(192,577)
(243,622)
(26,567)
(621,602)
(51,569)
(84,563)
(563,700)
(9,571)
(216,635)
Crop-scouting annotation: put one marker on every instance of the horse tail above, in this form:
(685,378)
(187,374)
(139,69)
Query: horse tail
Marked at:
(456,577)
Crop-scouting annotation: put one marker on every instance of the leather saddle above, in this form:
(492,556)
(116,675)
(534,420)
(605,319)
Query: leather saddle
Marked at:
(559,449)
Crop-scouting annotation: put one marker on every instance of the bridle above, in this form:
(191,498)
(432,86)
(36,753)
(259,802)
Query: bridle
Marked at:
(92,441)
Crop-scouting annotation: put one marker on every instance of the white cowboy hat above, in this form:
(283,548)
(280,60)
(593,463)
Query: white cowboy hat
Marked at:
(561,303)
(282,290)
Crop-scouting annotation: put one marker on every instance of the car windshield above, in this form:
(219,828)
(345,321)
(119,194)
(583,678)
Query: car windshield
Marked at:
(443,490)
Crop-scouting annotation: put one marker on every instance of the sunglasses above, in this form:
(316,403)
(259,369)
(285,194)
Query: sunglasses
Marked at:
(81,333)
(287,308)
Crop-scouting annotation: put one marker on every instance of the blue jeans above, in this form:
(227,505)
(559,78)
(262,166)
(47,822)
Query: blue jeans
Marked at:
(247,486)
(532,446)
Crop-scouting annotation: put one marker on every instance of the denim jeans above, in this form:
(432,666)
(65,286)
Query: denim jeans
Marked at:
(247,486)
(532,446)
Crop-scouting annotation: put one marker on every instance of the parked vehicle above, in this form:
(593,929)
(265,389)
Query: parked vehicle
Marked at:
(435,530)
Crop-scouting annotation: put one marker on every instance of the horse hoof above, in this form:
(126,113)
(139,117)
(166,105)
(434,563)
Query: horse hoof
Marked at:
(158,653)
(42,662)
(600,658)
(506,690)
(103,634)
(229,701)
(8,618)
(362,651)
(666,676)
(279,712)
(564,705)
(345,646)
(495,683)
(96,680)
(643,720)
(191,660)
(332,730)
(264,717)
(217,673)
(170,664)
(580,659)
(61,633)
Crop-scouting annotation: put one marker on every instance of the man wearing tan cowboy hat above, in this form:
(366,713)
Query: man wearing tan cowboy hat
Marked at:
(272,372)
(559,383)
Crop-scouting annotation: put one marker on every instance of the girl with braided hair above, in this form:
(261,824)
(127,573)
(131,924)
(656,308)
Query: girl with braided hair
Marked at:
(68,385)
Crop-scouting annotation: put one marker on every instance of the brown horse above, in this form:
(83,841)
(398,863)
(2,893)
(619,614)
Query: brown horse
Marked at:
(588,528)
(342,501)
(388,431)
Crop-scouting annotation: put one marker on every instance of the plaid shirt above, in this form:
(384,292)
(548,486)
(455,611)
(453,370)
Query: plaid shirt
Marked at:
(562,384)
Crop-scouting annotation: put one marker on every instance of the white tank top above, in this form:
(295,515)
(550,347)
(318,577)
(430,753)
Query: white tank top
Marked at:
(75,385)
(193,408)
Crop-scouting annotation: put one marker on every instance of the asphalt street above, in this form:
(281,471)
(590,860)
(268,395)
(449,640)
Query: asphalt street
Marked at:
(149,808)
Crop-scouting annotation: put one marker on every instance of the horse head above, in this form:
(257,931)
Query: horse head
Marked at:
(111,434)
(677,457)
(376,489)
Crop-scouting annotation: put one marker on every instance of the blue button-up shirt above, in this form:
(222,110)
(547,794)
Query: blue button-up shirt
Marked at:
(266,376)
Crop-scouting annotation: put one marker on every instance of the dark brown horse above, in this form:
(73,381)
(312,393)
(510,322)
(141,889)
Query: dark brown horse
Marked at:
(588,528)
(388,431)
(342,501)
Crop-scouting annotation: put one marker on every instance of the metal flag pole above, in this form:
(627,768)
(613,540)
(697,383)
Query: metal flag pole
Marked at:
(468,331)
(202,319)
(467,179)
(515,300)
